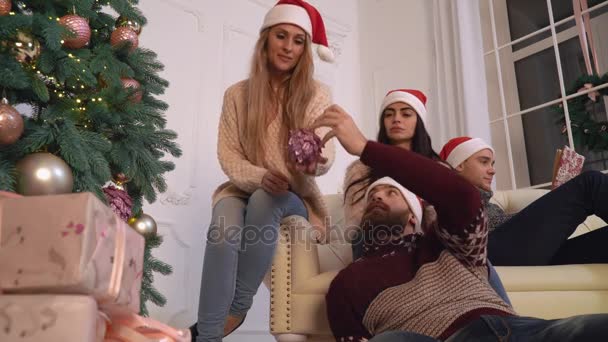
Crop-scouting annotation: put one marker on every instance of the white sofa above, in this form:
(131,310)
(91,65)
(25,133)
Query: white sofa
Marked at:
(302,271)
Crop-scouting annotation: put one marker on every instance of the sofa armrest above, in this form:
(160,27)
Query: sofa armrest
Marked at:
(296,260)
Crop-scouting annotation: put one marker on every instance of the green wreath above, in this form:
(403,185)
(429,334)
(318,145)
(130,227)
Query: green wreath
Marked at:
(586,131)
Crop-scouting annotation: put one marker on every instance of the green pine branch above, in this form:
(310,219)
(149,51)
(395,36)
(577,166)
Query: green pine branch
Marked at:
(11,24)
(126,8)
(7,173)
(12,76)
(50,31)
(151,265)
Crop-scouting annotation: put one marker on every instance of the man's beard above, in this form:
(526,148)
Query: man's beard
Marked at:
(380,225)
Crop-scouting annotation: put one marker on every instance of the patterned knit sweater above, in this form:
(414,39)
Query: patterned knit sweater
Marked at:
(431,284)
(244,176)
(496,215)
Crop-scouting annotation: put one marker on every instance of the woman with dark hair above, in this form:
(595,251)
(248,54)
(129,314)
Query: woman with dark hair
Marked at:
(402,123)
(413,114)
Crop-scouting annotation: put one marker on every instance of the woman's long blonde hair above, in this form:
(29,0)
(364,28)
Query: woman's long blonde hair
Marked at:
(297,92)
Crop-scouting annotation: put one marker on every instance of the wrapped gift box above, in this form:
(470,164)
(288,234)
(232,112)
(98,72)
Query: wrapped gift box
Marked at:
(567,165)
(5,195)
(35,318)
(70,244)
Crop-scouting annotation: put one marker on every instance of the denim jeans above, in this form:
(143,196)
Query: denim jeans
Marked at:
(240,245)
(538,234)
(496,283)
(585,328)
(402,336)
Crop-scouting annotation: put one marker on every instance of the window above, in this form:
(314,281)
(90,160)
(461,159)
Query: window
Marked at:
(533,57)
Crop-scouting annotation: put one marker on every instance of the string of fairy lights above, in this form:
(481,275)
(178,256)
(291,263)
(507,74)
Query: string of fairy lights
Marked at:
(29,48)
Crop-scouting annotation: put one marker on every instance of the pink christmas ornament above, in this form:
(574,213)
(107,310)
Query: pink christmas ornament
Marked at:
(119,200)
(304,147)
(80,27)
(132,83)
(5,7)
(124,34)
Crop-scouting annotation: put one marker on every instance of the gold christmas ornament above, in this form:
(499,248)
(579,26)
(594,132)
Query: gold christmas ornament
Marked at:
(124,34)
(126,22)
(43,174)
(132,83)
(24,46)
(11,123)
(120,179)
(5,7)
(144,225)
(80,27)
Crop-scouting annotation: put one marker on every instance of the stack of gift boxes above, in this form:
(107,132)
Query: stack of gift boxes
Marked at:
(71,270)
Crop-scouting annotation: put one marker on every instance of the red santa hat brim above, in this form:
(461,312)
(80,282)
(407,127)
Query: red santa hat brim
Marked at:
(457,150)
(405,97)
(411,199)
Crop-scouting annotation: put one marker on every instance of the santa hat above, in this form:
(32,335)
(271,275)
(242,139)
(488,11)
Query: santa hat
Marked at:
(304,15)
(412,97)
(460,149)
(412,200)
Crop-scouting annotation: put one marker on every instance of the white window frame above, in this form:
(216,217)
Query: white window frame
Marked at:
(496,12)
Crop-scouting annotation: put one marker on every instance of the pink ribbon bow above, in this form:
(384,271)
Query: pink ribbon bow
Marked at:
(585,35)
(134,328)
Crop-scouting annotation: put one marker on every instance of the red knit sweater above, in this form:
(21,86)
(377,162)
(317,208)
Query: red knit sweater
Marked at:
(432,284)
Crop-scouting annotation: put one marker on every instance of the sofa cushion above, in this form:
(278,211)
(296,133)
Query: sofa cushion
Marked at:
(586,277)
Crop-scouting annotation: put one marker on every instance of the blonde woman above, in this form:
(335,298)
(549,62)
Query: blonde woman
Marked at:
(264,186)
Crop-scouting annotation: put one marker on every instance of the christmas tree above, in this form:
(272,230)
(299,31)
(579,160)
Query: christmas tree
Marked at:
(88,112)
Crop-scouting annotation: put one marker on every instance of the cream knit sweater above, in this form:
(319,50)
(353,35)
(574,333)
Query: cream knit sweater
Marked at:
(244,176)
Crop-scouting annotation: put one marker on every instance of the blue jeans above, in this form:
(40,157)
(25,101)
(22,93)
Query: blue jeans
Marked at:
(240,246)
(496,283)
(402,336)
(584,328)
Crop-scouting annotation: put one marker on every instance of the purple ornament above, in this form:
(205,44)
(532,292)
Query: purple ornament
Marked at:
(304,147)
(119,200)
